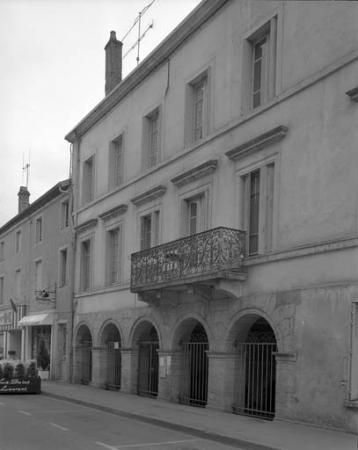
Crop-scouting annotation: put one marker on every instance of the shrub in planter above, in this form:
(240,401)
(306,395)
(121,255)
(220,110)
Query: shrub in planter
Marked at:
(8,371)
(32,371)
(20,371)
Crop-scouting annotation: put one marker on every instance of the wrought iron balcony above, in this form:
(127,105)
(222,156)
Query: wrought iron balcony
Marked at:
(201,258)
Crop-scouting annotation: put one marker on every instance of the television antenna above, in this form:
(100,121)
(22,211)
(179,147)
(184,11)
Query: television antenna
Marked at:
(26,170)
(138,21)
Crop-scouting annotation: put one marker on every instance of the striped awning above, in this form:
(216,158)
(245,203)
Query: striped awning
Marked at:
(36,319)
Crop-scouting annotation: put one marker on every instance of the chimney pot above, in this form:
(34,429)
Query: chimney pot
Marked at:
(113,62)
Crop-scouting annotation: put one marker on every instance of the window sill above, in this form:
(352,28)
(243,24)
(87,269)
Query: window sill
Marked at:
(353,404)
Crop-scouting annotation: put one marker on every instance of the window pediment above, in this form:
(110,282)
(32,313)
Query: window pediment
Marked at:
(196,173)
(86,225)
(259,142)
(114,212)
(149,195)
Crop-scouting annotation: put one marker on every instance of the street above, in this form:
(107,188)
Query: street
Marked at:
(36,422)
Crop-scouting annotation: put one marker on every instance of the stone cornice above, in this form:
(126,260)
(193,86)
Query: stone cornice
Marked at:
(86,225)
(147,196)
(198,172)
(259,142)
(116,211)
(353,94)
(161,54)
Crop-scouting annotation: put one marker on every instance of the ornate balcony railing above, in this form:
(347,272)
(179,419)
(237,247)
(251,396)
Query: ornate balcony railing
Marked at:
(202,255)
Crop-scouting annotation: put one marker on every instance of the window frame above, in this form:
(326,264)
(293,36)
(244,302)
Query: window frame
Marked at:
(111,277)
(268,169)
(115,170)
(2,250)
(151,157)
(155,219)
(18,241)
(65,214)
(88,180)
(18,284)
(38,229)
(86,263)
(2,284)
(63,268)
(38,272)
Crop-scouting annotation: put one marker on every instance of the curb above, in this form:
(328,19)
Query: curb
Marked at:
(165,424)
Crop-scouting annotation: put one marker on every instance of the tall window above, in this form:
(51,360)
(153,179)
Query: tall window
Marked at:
(85,265)
(152,139)
(258,208)
(199,109)
(2,245)
(17,284)
(260,69)
(38,276)
(1,290)
(65,214)
(116,159)
(17,241)
(259,76)
(63,267)
(114,252)
(63,340)
(88,180)
(149,230)
(38,229)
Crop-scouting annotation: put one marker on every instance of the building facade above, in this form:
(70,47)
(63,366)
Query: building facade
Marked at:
(215,209)
(36,248)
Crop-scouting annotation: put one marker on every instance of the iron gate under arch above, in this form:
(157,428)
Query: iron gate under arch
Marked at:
(86,361)
(114,365)
(194,389)
(148,365)
(256,385)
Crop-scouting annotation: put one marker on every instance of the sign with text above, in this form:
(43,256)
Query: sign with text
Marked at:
(6,319)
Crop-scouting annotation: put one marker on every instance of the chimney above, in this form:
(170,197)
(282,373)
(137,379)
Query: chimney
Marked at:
(113,62)
(24,195)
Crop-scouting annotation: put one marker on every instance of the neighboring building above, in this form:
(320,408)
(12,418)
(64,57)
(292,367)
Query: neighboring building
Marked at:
(36,248)
(215,206)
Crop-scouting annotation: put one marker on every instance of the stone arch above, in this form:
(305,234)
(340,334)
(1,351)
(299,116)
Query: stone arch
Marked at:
(109,327)
(184,327)
(83,354)
(254,341)
(142,327)
(83,330)
(110,342)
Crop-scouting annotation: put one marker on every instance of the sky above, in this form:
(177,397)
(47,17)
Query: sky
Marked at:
(52,74)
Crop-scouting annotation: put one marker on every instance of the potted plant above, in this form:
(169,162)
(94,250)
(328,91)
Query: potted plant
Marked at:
(18,379)
(43,361)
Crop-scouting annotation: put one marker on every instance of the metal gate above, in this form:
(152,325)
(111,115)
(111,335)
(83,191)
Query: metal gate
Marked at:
(86,360)
(148,366)
(194,389)
(256,385)
(114,365)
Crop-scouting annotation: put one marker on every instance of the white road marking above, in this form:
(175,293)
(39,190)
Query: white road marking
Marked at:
(107,446)
(59,411)
(24,412)
(59,426)
(119,447)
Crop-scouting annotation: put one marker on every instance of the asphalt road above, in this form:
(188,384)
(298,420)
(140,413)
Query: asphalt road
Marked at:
(36,422)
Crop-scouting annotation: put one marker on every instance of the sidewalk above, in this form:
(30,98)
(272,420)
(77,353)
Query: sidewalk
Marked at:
(244,432)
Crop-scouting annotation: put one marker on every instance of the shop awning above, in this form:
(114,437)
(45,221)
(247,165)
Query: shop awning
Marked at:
(37,319)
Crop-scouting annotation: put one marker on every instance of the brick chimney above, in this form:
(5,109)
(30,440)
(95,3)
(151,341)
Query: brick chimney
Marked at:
(24,196)
(113,62)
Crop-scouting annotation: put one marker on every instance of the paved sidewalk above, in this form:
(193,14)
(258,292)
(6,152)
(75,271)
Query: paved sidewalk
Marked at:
(241,432)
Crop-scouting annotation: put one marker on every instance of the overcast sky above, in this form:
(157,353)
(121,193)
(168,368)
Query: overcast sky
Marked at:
(53,73)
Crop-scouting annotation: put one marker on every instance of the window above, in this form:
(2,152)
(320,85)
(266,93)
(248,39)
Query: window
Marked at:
(17,284)
(88,180)
(197,110)
(38,276)
(151,146)
(85,264)
(65,214)
(114,253)
(116,159)
(38,230)
(258,208)
(149,227)
(17,241)
(259,74)
(2,245)
(353,388)
(194,215)
(63,268)
(1,290)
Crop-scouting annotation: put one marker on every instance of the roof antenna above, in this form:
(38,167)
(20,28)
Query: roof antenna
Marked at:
(26,169)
